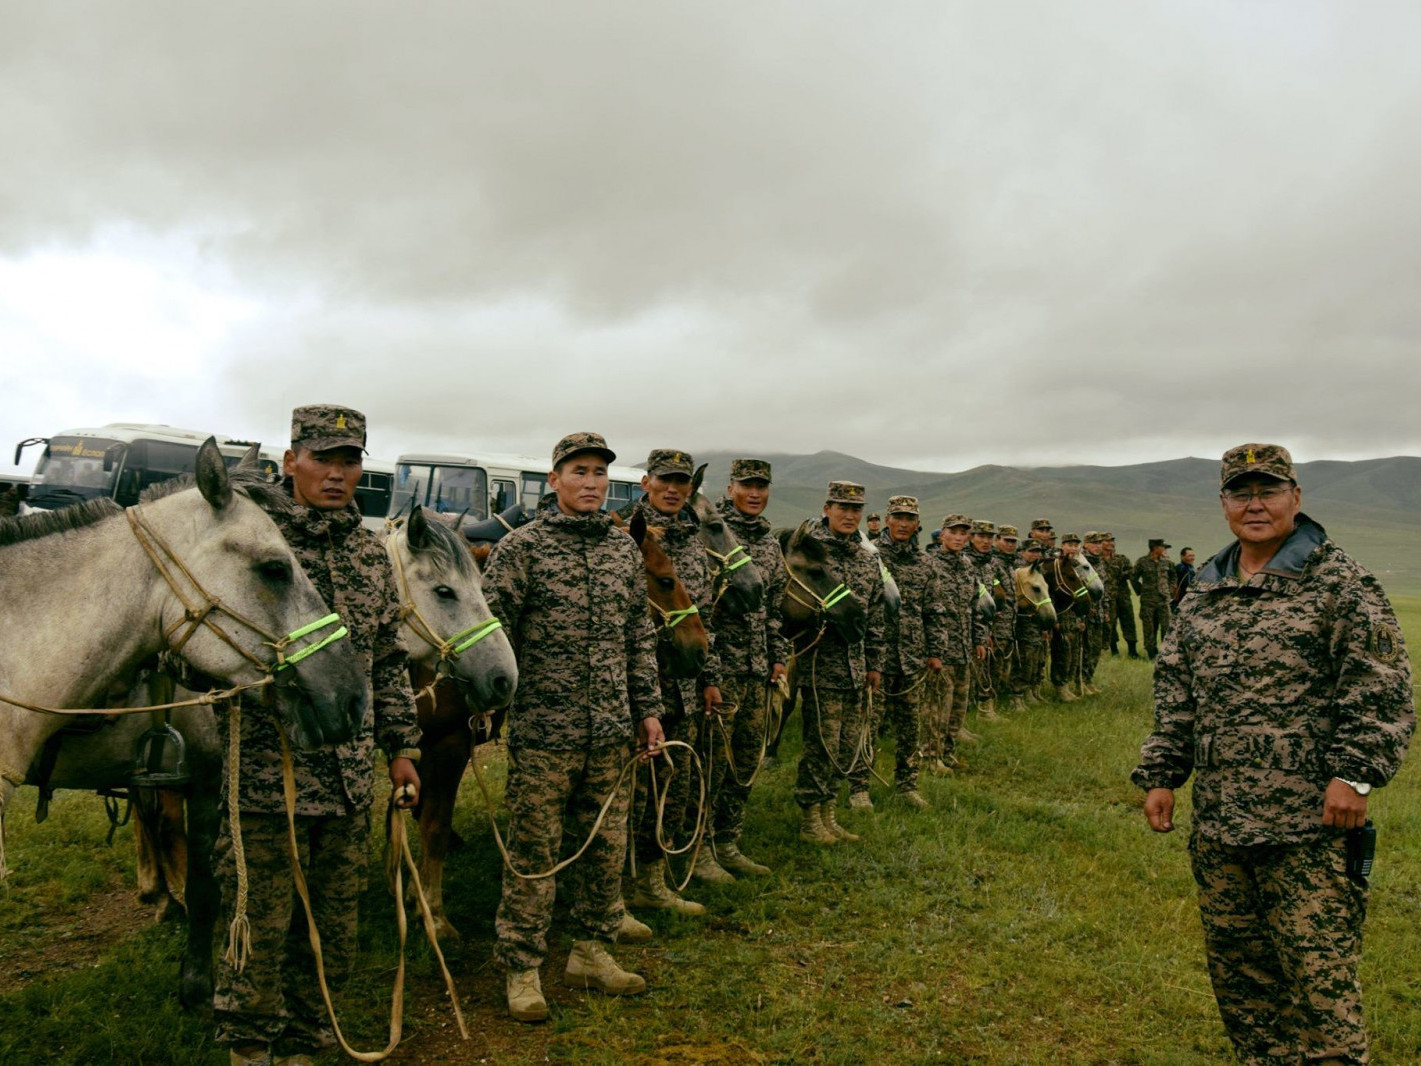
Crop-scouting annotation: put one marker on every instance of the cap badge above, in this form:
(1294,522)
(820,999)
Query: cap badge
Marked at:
(1249,457)
(340,424)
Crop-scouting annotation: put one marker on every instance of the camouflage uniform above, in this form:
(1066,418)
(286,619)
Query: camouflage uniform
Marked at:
(748,646)
(832,682)
(570,591)
(1004,653)
(1097,619)
(1154,581)
(1068,639)
(276,999)
(1265,692)
(984,568)
(917,634)
(684,709)
(947,696)
(1031,644)
(1123,608)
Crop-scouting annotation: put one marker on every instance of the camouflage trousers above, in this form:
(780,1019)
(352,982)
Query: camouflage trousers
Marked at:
(1067,650)
(1283,935)
(1124,616)
(735,754)
(896,707)
(276,999)
(834,734)
(1154,620)
(1094,647)
(676,777)
(1030,665)
(942,711)
(1003,660)
(545,790)
(980,688)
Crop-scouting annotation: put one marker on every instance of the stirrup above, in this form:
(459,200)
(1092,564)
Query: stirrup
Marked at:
(160,759)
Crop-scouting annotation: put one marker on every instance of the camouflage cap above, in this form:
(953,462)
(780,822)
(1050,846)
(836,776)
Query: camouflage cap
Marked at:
(749,470)
(1032,546)
(1092,537)
(320,427)
(663,461)
(956,520)
(981,525)
(1042,523)
(583,442)
(902,505)
(1106,536)
(1271,460)
(1008,532)
(845,492)
(1070,538)
(874,516)
(1158,542)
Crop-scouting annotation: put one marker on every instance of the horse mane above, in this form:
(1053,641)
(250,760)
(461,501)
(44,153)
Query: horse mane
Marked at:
(267,494)
(44,523)
(445,544)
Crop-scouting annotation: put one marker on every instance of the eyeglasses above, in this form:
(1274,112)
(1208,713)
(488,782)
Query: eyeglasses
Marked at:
(1267,496)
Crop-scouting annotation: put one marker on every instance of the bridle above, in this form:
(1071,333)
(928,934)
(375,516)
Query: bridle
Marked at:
(449,648)
(674,617)
(1023,595)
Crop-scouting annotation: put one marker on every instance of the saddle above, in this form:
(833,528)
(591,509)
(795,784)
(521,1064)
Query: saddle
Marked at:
(495,528)
(43,766)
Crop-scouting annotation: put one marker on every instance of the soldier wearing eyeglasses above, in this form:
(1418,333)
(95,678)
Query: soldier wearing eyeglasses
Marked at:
(1284,688)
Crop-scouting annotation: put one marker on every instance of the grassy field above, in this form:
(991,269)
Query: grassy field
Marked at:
(1030,917)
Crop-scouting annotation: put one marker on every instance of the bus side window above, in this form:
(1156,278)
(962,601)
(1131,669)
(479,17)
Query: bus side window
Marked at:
(503,496)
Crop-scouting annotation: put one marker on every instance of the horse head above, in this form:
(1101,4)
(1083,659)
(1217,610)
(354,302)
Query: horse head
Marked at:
(816,592)
(985,605)
(1067,583)
(446,623)
(736,582)
(682,644)
(220,554)
(1032,593)
(1093,583)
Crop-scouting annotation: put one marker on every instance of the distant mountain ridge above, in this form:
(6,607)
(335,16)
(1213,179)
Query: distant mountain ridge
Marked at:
(1369,506)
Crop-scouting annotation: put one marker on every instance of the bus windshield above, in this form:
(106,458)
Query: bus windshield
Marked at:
(72,470)
(456,489)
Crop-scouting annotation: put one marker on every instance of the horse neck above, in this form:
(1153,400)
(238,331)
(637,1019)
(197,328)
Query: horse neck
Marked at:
(79,611)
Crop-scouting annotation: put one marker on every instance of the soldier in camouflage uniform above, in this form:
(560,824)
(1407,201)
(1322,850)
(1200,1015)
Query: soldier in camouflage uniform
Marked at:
(838,673)
(1153,578)
(875,525)
(965,642)
(1004,651)
(1122,607)
(1068,639)
(978,556)
(1042,532)
(1097,619)
(273,1005)
(752,654)
(913,648)
(570,591)
(1285,689)
(1031,639)
(687,702)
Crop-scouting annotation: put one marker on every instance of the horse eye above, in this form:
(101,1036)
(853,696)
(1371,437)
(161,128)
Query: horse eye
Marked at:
(444,592)
(816,571)
(274,570)
(716,527)
(666,583)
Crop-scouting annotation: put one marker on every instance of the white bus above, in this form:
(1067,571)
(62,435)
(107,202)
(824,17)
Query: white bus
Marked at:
(485,483)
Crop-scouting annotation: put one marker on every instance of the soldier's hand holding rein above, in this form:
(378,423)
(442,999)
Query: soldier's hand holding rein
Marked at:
(874,679)
(403,773)
(652,738)
(935,665)
(1159,809)
(981,652)
(776,672)
(1342,806)
(712,698)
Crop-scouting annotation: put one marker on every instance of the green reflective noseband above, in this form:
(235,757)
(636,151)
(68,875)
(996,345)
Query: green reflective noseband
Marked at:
(743,558)
(840,592)
(675,618)
(475,634)
(1082,591)
(321,623)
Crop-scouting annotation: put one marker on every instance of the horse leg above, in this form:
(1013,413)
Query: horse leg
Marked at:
(172,850)
(201,893)
(151,887)
(442,766)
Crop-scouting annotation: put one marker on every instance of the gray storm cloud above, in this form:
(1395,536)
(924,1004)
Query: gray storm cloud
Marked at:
(937,233)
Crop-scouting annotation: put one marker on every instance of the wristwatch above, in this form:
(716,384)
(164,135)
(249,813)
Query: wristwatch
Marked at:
(1359,787)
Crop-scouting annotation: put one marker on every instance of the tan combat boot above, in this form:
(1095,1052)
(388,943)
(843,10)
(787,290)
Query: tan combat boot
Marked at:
(653,891)
(987,711)
(831,823)
(861,801)
(525,996)
(708,870)
(811,827)
(1017,704)
(1065,695)
(589,966)
(911,797)
(731,858)
(250,1055)
(632,931)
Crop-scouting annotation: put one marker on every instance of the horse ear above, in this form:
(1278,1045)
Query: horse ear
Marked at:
(638,528)
(700,476)
(251,461)
(212,479)
(417,531)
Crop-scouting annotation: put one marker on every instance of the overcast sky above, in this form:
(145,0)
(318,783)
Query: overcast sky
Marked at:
(929,234)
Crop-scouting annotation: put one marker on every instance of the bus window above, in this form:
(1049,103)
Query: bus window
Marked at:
(534,486)
(150,462)
(72,470)
(373,493)
(411,483)
(459,489)
(619,494)
(503,495)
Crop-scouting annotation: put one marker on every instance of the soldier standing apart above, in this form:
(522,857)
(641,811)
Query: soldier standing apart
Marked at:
(1124,608)
(1030,640)
(913,648)
(273,1006)
(1285,688)
(1068,639)
(1004,623)
(687,702)
(1153,579)
(965,643)
(838,673)
(752,654)
(570,591)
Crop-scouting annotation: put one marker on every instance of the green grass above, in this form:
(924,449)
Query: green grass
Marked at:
(1030,917)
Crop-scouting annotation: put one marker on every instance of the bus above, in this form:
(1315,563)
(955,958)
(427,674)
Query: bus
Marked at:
(486,483)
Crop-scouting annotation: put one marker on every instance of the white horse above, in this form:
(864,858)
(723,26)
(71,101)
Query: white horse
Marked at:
(91,592)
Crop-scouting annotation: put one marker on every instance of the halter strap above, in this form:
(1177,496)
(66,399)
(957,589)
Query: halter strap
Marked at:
(673,618)
(732,560)
(448,649)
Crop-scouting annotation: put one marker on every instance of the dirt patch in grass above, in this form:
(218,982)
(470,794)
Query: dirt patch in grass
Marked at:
(66,942)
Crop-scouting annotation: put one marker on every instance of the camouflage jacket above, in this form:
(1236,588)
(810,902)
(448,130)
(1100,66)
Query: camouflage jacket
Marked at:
(919,632)
(963,631)
(570,591)
(749,644)
(984,567)
(348,565)
(1120,567)
(1267,691)
(1110,575)
(1003,589)
(1153,579)
(837,663)
(1099,612)
(682,542)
